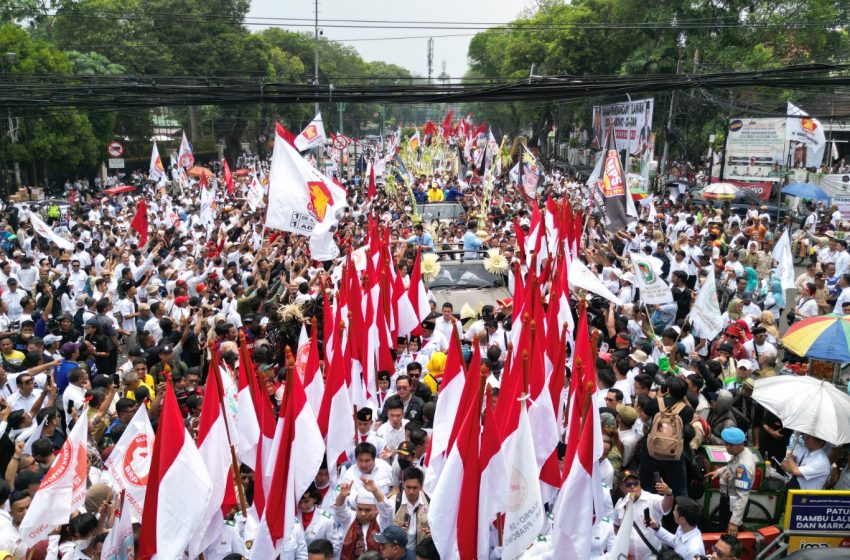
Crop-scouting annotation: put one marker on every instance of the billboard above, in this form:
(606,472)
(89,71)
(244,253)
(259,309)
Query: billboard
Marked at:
(632,125)
(755,149)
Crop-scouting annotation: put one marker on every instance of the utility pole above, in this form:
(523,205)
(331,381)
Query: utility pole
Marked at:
(430,58)
(11,58)
(664,157)
(316,51)
(341,107)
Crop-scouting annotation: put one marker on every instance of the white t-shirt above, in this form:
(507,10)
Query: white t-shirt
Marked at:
(814,468)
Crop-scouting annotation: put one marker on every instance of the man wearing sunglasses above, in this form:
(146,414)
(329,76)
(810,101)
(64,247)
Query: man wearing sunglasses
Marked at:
(656,505)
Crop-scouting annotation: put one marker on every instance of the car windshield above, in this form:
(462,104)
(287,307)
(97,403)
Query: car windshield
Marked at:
(460,275)
(432,212)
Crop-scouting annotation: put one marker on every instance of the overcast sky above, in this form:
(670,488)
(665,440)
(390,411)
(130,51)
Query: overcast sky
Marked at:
(409,53)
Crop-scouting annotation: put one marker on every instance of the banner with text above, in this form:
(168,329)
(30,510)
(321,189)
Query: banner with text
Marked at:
(755,149)
(632,125)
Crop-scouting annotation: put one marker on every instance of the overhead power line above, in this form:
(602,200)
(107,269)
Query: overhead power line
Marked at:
(30,94)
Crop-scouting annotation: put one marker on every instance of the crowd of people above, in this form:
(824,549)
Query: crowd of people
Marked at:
(94,331)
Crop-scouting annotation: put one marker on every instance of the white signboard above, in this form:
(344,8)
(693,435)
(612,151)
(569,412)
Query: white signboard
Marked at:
(632,125)
(755,149)
(116,163)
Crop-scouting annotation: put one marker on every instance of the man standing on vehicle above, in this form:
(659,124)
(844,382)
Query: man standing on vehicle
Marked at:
(421,238)
(471,244)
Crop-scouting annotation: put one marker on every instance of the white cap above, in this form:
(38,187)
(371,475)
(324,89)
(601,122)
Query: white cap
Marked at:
(365,499)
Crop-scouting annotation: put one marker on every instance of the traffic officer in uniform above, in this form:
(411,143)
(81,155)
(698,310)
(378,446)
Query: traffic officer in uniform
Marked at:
(736,479)
(317,523)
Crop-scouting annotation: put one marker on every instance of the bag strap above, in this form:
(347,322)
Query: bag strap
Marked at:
(676,408)
(661,406)
(644,539)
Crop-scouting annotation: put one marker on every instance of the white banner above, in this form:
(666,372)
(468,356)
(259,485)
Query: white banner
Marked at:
(632,125)
(755,149)
(44,230)
(130,460)
(653,290)
(705,312)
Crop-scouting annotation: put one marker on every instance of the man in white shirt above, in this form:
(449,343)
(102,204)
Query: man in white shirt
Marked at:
(842,259)
(77,278)
(74,395)
(10,536)
(809,463)
(658,506)
(12,298)
(367,468)
(687,542)
(392,431)
(27,396)
(126,308)
(27,275)
(446,323)
(759,347)
(359,527)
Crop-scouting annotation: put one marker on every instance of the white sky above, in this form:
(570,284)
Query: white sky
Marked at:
(409,53)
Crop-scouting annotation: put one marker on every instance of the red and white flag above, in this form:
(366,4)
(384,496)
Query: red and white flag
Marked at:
(336,423)
(179,488)
(62,490)
(314,385)
(313,135)
(247,419)
(453,513)
(494,474)
(156,171)
(372,189)
(297,454)
(448,404)
(413,307)
(302,200)
(129,462)
(214,450)
(185,159)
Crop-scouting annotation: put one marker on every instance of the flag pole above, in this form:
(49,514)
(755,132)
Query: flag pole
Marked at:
(234,464)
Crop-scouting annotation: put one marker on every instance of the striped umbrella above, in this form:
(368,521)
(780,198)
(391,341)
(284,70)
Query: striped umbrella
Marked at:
(825,337)
(719,191)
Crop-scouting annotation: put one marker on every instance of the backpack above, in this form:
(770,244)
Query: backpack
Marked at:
(665,441)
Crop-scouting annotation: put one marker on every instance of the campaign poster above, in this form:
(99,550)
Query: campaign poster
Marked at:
(755,149)
(632,125)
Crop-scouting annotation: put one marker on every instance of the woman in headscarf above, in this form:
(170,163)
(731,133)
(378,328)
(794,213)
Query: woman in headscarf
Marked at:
(752,278)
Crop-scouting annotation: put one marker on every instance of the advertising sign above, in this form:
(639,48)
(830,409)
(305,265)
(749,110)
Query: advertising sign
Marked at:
(632,125)
(816,541)
(755,149)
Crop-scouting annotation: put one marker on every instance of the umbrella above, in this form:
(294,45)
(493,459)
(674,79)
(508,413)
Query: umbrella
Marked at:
(118,189)
(824,337)
(805,190)
(242,172)
(808,405)
(197,171)
(719,191)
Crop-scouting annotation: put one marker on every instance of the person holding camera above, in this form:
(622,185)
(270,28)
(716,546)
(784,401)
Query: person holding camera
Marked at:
(687,541)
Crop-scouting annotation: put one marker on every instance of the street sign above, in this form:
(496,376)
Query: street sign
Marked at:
(115,149)
(116,163)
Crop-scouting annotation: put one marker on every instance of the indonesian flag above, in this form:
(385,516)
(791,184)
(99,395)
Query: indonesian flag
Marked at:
(413,307)
(46,232)
(130,460)
(302,200)
(214,449)
(582,480)
(179,488)
(429,128)
(313,135)
(494,474)
(453,515)
(446,127)
(297,454)
(247,417)
(185,158)
(140,222)
(451,391)
(156,172)
(525,504)
(314,385)
(228,179)
(120,538)
(62,490)
(336,422)
(373,187)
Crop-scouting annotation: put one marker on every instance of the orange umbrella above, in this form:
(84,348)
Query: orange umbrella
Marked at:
(197,171)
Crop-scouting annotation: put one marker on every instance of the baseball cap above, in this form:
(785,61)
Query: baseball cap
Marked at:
(51,339)
(393,535)
(68,348)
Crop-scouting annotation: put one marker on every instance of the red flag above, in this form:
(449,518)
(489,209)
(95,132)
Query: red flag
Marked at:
(429,128)
(228,179)
(140,222)
(373,188)
(287,136)
(447,125)
(204,182)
